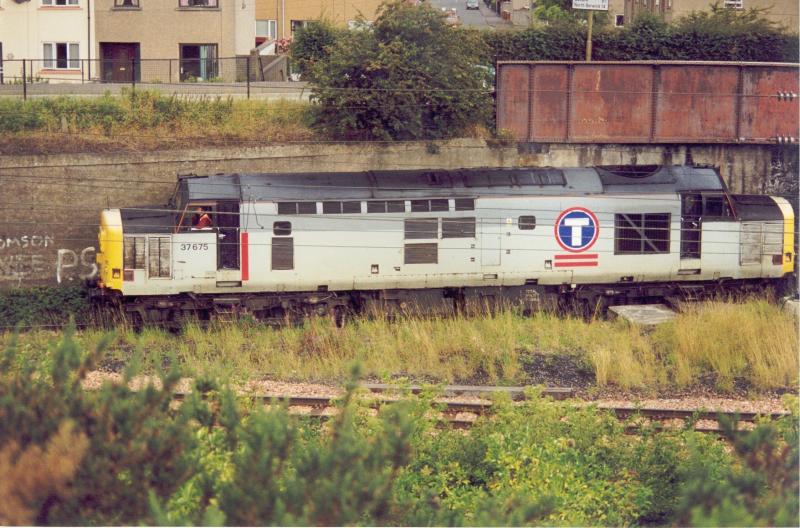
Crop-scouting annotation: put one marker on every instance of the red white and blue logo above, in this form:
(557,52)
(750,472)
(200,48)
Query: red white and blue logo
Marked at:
(576,229)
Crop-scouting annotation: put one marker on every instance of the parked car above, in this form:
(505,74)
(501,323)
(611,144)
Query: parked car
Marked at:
(472,4)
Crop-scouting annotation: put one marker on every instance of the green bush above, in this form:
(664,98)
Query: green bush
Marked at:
(44,305)
(720,34)
(313,43)
(409,76)
(118,456)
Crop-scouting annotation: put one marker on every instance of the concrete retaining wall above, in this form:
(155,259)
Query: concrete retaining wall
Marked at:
(50,204)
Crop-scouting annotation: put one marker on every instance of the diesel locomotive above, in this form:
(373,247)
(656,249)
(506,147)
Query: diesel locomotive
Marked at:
(290,245)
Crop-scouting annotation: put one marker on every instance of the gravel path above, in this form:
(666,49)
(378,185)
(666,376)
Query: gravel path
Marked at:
(737,403)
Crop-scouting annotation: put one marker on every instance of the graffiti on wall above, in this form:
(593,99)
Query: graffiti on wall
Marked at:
(36,257)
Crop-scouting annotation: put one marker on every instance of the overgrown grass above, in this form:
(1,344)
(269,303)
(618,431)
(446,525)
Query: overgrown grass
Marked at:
(145,120)
(755,343)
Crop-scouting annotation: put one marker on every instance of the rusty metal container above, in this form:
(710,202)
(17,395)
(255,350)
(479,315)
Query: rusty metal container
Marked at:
(649,102)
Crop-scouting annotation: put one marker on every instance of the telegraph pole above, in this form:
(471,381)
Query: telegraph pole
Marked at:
(589,36)
(591,6)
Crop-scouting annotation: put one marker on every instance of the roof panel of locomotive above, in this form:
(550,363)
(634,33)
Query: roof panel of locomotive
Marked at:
(411,184)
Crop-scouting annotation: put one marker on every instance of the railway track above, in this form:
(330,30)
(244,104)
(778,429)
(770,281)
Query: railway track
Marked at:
(463,414)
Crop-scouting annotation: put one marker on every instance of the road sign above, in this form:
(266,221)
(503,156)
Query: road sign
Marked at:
(576,229)
(594,5)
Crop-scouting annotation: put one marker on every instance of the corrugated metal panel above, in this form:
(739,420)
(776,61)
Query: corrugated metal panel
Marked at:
(648,102)
(696,104)
(750,244)
(421,253)
(610,103)
(282,253)
(765,115)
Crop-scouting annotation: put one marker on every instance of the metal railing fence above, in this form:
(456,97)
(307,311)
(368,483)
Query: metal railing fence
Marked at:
(233,75)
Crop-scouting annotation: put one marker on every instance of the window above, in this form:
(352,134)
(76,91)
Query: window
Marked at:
(465,204)
(458,227)
(297,24)
(282,253)
(59,2)
(133,253)
(282,228)
(526,223)
(198,61)
(61,55)
(424,206)
(126,3)
(641,233)
(292,208)
(387,206)
(734,4)
(619,20)
(159,258)
(267,29)
(421,228)
(197,3)
(707,206)
(341,207)
(421,254)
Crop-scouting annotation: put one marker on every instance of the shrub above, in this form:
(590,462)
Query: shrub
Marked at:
(408,77)
(130,442)
(313,43)
(44,305)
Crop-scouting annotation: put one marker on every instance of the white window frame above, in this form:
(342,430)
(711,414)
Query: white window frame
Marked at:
(294,25)
(616,20)
(54,3)
(272,29)
(73,63)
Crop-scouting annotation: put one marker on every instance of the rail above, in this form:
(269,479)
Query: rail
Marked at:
(453,412)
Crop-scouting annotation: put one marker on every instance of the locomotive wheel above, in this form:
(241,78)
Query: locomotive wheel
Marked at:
(341,314)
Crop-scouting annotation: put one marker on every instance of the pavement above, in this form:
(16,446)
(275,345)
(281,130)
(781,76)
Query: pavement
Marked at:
(481,18)
(258,90)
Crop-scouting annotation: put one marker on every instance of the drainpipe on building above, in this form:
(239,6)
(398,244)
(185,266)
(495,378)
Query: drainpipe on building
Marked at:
(283,17)
(89,39)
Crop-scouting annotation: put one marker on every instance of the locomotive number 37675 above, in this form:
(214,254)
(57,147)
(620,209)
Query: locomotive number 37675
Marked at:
(194,247)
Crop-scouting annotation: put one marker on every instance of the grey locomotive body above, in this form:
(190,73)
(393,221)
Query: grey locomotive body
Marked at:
(433,241)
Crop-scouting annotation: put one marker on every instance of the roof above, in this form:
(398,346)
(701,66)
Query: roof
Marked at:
(404,184)
(147,219)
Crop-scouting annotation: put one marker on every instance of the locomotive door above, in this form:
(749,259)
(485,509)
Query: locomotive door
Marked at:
(691,230)
(228,241)
(491,238)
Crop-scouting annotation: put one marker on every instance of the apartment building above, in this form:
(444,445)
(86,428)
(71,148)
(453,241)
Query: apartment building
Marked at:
(783,12)
(173,40)
(53,34)
(277,19)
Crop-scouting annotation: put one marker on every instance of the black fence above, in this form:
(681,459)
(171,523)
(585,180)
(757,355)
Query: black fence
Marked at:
(185,75)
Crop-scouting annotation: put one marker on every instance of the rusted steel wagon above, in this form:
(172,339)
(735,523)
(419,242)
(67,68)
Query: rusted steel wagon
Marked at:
(649,102)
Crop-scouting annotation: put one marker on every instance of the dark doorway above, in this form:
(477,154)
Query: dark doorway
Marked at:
(691,225)
(120,62)
(198,62)
(228,235)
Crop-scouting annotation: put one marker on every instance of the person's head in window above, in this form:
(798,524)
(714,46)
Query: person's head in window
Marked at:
(202,219)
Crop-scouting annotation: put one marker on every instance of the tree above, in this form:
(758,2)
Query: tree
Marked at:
(312,43)
(409,76)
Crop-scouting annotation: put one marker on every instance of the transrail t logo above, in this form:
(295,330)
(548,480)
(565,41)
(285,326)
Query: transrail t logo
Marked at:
(576,229)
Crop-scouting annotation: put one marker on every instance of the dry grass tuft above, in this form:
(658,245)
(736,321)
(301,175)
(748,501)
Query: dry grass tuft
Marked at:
(755,342)
(144,121)
(31,476)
